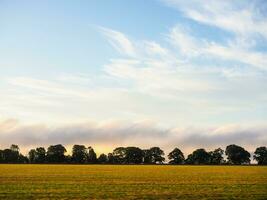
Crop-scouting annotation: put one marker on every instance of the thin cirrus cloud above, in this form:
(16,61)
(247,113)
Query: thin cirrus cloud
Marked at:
(119,41)
(240,17)
(183,80)
(234,51)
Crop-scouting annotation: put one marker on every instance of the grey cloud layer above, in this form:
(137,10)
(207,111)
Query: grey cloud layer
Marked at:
(143,134)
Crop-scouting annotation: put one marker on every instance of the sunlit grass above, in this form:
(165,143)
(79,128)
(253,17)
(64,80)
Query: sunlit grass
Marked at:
(132,182)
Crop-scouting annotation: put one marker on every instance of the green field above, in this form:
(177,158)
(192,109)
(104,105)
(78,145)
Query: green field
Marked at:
(132,182)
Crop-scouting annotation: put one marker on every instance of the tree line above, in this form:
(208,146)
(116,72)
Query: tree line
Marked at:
(235,155)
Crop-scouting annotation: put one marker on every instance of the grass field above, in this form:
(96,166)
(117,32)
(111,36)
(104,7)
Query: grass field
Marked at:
(132,182)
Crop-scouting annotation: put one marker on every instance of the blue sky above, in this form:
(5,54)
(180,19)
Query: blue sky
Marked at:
(49,31)
(163,68)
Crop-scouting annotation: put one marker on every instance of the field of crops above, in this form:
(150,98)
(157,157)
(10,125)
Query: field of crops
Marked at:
(132,182)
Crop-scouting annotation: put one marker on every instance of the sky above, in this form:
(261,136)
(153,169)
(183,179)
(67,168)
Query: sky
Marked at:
(168,73)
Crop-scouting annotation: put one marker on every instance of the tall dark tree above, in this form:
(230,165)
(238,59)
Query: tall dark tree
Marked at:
(147,156)
(1,156)
(11,155)
(23,159)
(119,155)
(40,155)
(68,159)
(56,153)
(79,154)
(37,155)
(198,157)
(176,156)
(19,158)
(216,156)
(102,159)
(153,155)
(111,159)
(237,155)
(128,155)
(91,158)
(260,155)
(32,155)
(15,153)
(134,155)
(14,148)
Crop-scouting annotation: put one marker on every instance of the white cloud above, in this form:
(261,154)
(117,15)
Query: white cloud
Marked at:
(156,76)
(119,41)
(180,37)
(164,83)
(255,59)
(76,79)
(234,50)
(240,17)
(186,79)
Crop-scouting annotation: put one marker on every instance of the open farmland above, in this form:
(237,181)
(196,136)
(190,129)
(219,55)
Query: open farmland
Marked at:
(132,182)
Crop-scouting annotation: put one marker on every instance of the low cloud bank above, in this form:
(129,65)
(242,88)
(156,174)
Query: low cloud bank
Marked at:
(107,135)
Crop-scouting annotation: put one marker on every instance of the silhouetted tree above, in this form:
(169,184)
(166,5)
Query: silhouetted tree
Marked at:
(32,155)
(68,159)
(91,158)
(133,155)
(127,155)
(102,159)
(216,156)
(14,148)
(153,155)
(9,156)
(12,155)
(260,155)
(198,157)
(18,157)
(176,156)
(79,154)
(1,156)
(37,155)
(119,155)
(23,159)
(56,153)
(111,159)
(15,153)
(40,155)
(237,155)
(147,156)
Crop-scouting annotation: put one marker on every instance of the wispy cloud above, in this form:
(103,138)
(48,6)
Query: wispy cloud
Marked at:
(192,77)
(183,79)
(119,41)
(240,17)
(190,46)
